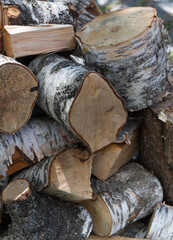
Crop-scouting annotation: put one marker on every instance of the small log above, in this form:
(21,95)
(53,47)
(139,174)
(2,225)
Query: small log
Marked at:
(82,101)
(22,41)
(122,199)
(108,160)
(161,223)
(36,216)
(156,152)
(18,94)
(127,46)
(26,12)
(65,175)
(37,140)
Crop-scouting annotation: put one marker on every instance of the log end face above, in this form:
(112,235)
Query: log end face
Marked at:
(18,95)
(97,128)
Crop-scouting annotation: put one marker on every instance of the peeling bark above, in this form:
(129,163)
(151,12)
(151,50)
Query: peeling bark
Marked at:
(122,199)
(17,96)
(128,48)
(37,140)
(65,175)
(32,12)
(72,95)
(39,217)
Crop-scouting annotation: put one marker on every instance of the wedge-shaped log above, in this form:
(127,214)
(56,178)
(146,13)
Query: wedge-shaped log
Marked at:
(39,138)
(83,101)
(156,152)
(18,94)
(108,160)
(22,41)
(123,198)
(36,216)
(65,175)
(161,223)
(26,12)
(128,48)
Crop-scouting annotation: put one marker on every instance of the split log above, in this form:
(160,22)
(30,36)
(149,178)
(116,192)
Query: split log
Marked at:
(33,12)
(83,102)
(18,94)
(36,216)
(37,140)
(156,152)
(22,41)
(92,237)
(127,46)
(122,199)
(108,160)
(65,175)
(161,223)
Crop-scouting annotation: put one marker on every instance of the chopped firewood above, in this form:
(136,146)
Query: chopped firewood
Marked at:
(22,41)
(109,159)
(92,237)
(128,47)
(83,101)
(18,94)
(65,175)
(37,216)
(39,138)
(122,199)
(26,12)
(161,223)
(156,152)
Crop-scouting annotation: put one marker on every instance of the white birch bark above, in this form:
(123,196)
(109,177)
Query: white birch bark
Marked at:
(40,138)
(136,66)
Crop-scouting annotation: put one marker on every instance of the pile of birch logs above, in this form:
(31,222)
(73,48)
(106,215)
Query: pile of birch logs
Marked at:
(81,94)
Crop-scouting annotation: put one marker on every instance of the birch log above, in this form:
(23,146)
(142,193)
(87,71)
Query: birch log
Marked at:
(37,140)
(127,46)
(82,101)
(122,199)
(32,12)
(36,216)
(92,237)
(161,223)
(18,94)
(65,175)
(109,159)
(156,152)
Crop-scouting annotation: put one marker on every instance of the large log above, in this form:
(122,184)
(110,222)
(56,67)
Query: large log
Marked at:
(156,152)
(65,175)
(31,12)
(123,198)
(83,101)
(18,94)
(36,216)
(22,41)
(127,46)
(161,223)
(109,159)
(37,140)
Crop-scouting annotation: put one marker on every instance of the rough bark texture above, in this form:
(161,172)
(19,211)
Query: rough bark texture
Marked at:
(161,223)
(40,217)
(31,12)
(71,94)
(109,159)
(17,96)
(37,140)
(65,175)
(156,152)
(127,196)
(137,66)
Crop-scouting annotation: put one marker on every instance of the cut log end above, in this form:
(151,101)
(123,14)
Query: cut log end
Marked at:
(17,96)
(16,190)
(117,27)
(97,128)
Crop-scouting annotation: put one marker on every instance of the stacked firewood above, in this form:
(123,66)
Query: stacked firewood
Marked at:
(72,82)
